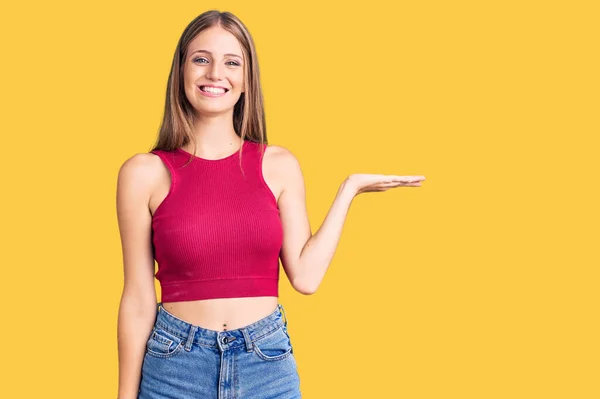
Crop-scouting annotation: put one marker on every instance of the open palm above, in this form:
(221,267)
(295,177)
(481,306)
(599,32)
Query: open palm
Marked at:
(362,182)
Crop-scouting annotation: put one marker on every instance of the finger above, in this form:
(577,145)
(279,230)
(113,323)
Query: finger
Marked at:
(405,184)
(408,178)
(399,184)
(401,178)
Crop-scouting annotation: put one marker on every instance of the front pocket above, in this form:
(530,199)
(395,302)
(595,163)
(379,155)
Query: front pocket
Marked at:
(276,345)
(163,344)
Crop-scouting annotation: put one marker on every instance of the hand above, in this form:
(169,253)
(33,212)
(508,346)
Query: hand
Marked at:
(362,183)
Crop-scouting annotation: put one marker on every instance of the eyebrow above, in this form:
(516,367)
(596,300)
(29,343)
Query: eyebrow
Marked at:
(206,51)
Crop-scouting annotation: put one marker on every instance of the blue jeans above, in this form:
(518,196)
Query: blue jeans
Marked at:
(186,361)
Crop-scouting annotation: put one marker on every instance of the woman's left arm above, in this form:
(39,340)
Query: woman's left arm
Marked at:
(317,252)
(305,256)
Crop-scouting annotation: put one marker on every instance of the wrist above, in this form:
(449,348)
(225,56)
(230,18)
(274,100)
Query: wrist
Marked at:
(348,188)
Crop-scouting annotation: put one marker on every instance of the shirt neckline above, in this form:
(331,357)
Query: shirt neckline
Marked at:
(230,156)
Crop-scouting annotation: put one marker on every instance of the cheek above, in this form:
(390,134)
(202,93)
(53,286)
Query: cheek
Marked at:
(240,85)
(188,83)
(190,90)
(238,80)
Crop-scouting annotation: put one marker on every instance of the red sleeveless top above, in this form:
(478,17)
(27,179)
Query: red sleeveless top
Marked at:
(217,233)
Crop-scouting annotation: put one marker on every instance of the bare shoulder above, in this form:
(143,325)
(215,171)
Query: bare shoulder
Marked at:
(282,170)
(138,162)
(136,179)
(139,176)
(281,158)
(139,170)
(279,168)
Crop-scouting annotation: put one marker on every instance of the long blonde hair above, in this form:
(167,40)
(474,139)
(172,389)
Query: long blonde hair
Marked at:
(176,129)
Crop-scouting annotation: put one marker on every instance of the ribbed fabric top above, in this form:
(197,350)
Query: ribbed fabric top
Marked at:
(217,233)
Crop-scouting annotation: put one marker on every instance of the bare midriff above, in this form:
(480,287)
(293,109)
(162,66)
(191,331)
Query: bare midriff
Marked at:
(223,314)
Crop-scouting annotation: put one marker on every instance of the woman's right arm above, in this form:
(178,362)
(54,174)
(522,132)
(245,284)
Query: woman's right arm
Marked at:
(137,310)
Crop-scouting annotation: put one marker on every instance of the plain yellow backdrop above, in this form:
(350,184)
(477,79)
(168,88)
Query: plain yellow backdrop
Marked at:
(482,283)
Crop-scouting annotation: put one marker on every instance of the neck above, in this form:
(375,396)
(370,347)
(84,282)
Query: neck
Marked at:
(215,134)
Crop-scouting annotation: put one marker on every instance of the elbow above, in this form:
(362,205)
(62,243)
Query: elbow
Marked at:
(305,289)
(307,292)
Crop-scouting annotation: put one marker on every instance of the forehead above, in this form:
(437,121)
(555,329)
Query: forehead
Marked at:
(216,40)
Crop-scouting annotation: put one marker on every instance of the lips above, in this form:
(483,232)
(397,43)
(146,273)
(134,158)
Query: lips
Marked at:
(214,87)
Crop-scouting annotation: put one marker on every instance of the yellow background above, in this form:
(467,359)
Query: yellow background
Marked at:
(482,283)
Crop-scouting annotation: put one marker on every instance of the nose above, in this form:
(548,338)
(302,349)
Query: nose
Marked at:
(213,72)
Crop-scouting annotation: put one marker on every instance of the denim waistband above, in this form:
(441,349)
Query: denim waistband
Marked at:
(194,334)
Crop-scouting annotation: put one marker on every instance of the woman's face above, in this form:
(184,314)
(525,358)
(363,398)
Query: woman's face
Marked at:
(214,58)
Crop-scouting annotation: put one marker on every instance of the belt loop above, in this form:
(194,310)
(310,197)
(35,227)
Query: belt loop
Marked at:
(247,340)
(190,338)
(282,310)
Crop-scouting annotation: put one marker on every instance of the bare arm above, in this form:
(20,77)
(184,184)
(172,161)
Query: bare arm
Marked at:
(318,252)
(306,256)
(137,310)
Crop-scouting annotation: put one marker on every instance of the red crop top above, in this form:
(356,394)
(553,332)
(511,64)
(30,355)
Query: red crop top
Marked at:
(217,233)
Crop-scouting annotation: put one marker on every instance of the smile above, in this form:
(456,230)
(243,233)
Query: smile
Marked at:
(212,91)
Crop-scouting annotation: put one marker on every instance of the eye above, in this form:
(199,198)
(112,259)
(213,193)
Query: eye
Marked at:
(234,63)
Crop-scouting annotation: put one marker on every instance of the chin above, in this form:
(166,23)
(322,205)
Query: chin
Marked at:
(214,110)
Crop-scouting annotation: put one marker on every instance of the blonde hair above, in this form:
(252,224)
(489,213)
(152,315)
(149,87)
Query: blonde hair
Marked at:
(176,129)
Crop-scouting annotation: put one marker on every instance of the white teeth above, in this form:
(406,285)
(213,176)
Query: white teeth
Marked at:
(213,90)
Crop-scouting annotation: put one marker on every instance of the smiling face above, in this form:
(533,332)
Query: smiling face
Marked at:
(214,58)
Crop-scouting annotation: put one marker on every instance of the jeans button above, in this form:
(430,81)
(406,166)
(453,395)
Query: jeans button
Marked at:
(225,340)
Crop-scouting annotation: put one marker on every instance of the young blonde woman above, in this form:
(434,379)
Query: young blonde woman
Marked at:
(216,207)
